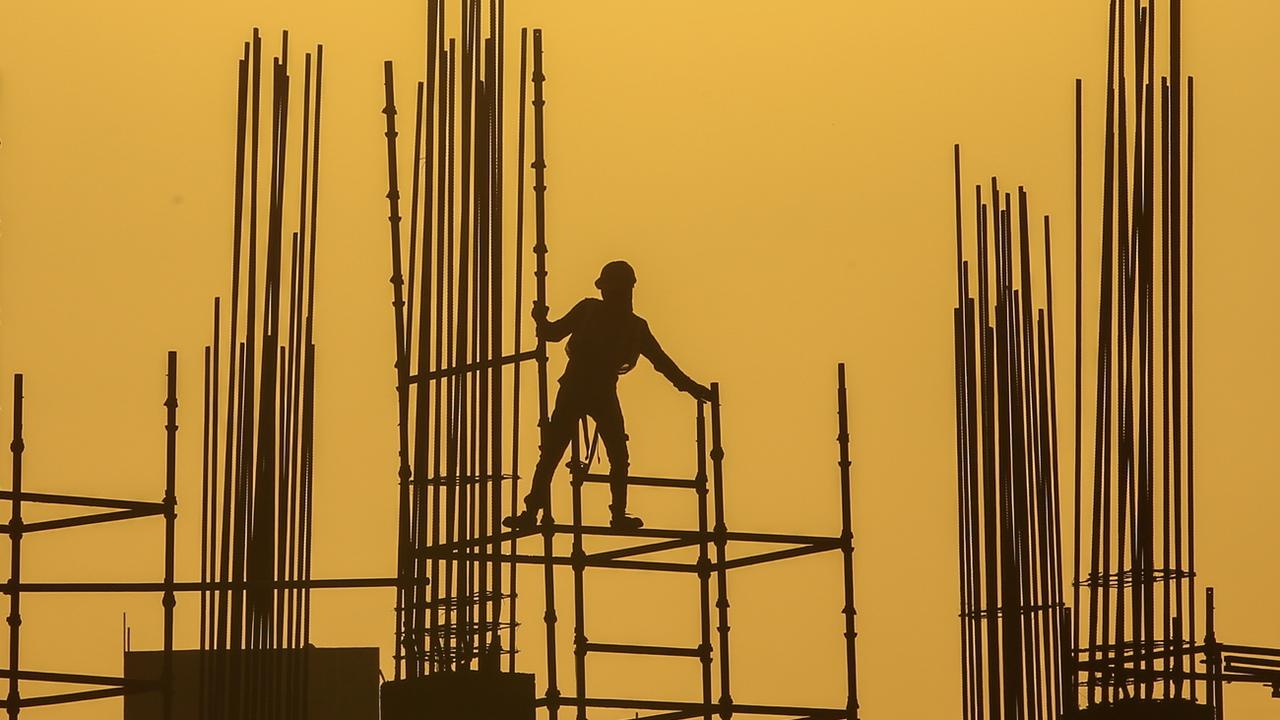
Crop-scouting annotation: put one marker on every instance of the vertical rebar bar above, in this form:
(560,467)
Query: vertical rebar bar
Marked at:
(1191,347)
(206,422)
(1079,360)
(517,310)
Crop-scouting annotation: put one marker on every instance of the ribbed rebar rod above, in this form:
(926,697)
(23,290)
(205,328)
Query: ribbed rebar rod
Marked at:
(518,322)
(1191,348)
(1079,362)
(206,423)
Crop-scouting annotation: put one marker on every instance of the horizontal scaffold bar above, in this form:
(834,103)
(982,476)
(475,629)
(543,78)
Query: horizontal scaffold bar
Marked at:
(81,500)
(675,705)
(63,698)
(197,586)
(1248,650)
(695,535)
(659,650)
(644,481)
(474,366)
(1252,664)
(675,715)
(566,561)
(692,536)
(82,520)
(644,549)
(79,679)
(809,549)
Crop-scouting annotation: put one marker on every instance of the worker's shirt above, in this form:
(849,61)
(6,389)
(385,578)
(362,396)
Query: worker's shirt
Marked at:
(605,342)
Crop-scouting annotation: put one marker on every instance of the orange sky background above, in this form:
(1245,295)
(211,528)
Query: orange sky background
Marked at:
(780,176)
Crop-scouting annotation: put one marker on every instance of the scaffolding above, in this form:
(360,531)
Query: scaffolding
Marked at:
(711,535)
(459,360)
(255,553)
(99,510)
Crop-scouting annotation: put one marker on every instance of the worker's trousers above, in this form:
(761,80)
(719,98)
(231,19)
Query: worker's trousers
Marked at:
(572,404)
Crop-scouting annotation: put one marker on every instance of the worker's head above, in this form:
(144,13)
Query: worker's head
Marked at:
(616,282)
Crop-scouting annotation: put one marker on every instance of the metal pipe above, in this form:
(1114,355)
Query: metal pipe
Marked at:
(402,370)
(14,531)
(846,542)
(170,517)
(722,579)
(704,562)
(540,283)
(578,563)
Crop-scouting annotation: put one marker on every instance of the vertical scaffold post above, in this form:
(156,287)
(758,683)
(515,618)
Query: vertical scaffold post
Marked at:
(1067,650)
(846,546)
(540,276)
(402,656)
(578,560)
(1213,657)
(170,516)
(721,539)
(15,551)
(704,563)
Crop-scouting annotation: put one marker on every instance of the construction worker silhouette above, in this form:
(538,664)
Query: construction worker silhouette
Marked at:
(606,340)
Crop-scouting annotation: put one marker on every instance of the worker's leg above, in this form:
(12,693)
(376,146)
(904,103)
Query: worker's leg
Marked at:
(560,428)
(607,413)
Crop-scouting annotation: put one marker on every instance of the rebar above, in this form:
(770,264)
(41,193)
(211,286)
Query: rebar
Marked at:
(258,535)
(1011,602)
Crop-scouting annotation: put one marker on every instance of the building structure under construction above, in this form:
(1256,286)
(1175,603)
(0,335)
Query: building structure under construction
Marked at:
(1131,643)
(461,360)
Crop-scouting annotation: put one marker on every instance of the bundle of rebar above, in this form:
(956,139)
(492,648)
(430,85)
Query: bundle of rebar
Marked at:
(1012,613)
(259,409)
(458,294)
(1140,634)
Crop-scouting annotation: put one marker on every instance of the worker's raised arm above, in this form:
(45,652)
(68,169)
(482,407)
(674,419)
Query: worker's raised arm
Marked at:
(663,363)
(557,330)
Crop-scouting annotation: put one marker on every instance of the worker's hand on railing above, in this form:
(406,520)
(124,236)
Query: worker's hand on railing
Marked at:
(539,312)
(701,392)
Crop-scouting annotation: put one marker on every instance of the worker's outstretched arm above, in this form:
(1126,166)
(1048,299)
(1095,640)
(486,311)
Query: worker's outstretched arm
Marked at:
(663,363)
(557,330)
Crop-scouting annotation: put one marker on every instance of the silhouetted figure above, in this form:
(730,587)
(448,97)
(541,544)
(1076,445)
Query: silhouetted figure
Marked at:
(606,339)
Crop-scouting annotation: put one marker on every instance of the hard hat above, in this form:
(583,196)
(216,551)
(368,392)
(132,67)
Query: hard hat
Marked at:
(617,274)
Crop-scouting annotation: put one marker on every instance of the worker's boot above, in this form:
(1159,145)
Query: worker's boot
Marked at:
(524,520)
(622,521)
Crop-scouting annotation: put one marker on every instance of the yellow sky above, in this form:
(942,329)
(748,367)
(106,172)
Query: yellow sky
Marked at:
(778,173)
